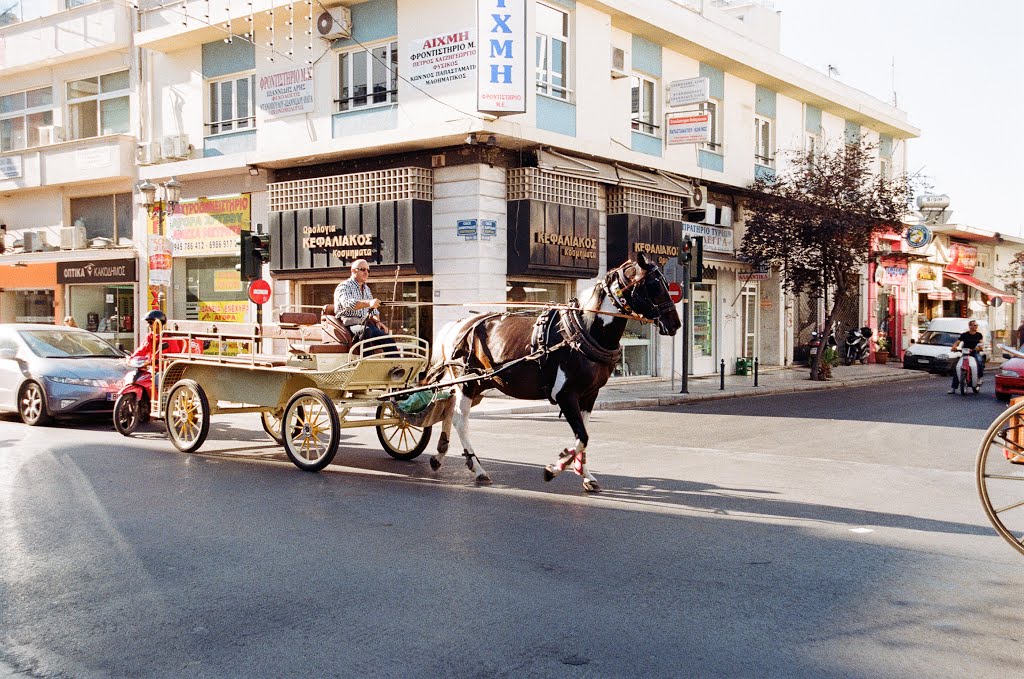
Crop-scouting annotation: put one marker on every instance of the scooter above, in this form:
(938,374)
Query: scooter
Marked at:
(132,406)
(815,342)
(967,370)
(857,348)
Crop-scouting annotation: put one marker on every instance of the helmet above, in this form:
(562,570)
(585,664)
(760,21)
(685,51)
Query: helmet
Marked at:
(156,315)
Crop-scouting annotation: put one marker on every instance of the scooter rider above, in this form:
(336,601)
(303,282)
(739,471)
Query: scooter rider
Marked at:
(970,341)
(147,352)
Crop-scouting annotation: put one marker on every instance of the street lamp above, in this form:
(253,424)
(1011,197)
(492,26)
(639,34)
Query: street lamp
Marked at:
(172,193)
(159,209)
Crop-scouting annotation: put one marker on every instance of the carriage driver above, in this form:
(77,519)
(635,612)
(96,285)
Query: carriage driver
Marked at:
(356,307)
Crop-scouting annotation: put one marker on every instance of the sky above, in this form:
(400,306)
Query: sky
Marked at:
(959,76)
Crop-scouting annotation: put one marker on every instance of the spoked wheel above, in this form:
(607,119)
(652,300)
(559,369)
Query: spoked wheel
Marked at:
(401,440)
(188,416)
(127,413)
(32,405)
(311,430)
(1000,475)
(271,421)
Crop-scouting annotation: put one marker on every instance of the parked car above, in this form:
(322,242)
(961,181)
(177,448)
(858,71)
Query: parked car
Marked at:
(49,371)
(1010,379)
(931,350)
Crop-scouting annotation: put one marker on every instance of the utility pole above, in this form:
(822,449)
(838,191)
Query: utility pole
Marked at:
(685,255)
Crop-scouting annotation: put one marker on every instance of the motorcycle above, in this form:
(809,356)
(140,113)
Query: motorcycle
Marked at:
(132,406)
(858,347)
(815,342)
(967,371)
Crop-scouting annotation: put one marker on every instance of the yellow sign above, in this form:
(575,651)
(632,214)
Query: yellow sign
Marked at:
(223,312)
(209,226)
(227,280)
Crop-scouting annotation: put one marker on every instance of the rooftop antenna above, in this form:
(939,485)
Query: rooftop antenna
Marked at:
(893,74)
(832,71)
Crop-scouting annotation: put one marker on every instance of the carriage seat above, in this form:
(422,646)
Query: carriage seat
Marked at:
(335,336)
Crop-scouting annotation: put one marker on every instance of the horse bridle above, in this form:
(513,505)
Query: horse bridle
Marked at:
(621,290)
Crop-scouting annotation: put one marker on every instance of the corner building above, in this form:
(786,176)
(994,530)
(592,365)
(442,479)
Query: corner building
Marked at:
(355,130)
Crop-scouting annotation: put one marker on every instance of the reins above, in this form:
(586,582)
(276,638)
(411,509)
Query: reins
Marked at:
(531,305)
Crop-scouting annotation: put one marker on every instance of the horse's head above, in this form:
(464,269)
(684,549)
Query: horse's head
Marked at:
(643,288)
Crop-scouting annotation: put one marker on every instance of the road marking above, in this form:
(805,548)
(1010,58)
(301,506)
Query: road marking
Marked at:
(862,530)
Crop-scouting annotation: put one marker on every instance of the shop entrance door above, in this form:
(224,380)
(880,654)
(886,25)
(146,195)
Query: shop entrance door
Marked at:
(703,324)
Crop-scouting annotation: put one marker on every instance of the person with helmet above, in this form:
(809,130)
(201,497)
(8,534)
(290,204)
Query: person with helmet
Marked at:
(146,350)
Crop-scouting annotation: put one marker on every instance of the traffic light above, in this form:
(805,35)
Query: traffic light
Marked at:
(691,255)
(255,252)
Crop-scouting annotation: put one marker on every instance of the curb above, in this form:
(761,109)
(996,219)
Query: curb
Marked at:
(679,399)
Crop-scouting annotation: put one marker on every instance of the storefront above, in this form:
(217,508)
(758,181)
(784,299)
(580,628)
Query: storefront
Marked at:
(320,226)
(101,296)
(28,293)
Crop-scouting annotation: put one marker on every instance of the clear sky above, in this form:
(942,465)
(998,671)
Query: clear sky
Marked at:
(959,75)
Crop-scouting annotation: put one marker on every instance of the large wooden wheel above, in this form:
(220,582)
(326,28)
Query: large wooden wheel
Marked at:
(310,430)
(1000,475)
(188,416)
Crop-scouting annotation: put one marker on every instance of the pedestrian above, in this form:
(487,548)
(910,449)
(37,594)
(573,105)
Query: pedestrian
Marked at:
(356,307)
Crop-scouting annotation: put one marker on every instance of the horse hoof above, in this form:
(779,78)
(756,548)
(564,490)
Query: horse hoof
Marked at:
(483,480)
(548,474)
(435,464)
(591,487)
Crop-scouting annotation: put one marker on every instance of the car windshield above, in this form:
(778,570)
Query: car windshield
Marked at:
(945,339)
(60,343)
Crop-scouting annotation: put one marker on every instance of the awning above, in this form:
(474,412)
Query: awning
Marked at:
(987,288)
(559,163)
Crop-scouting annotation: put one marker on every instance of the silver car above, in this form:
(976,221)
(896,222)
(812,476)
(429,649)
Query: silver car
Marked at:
(48,371)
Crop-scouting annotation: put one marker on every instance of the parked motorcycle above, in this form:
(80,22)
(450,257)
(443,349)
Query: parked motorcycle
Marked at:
(132,406)
(815,343)
(967,371)
(858,345)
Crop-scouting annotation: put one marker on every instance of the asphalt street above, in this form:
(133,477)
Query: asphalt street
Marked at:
(820,534)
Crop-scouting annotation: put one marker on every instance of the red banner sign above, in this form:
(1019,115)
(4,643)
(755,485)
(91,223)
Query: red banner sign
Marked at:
(962,258)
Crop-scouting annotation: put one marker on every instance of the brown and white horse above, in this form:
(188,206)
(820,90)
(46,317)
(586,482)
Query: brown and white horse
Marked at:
(565,355)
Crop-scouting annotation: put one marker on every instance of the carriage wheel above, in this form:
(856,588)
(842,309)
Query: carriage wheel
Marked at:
(188,416)
(311,430)
(271,421)
(401,440)
(1000,475)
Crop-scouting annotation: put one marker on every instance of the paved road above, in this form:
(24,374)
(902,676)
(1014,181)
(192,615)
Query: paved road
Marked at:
(827,534)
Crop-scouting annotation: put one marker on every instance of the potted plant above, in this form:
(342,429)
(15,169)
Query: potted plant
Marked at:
(882,350)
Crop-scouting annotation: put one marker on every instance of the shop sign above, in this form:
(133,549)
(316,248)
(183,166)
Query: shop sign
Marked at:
(926,274)
(223,312)
(501,59)
(962,258)
(716,238)
(10,167)
(552,239)
(285,93)
(630,235)
(447,57)
(691,128)
(942,294)
(574,247)
(918,236)
(689,91)
(760,272)
(86,273)
(160,260)
(332,239)
(894,272)
(208,226)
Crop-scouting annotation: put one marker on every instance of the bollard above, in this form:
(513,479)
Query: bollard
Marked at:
(722,376)
(755,371)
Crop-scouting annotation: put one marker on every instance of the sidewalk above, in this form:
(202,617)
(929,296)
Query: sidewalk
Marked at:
(624,394)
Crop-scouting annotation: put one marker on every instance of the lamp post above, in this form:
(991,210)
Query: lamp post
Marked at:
(171,196)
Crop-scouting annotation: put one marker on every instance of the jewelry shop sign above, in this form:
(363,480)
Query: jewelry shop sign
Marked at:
(286,93)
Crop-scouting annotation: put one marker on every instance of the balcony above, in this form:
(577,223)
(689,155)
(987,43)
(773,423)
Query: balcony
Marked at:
(69,162)
(65,36)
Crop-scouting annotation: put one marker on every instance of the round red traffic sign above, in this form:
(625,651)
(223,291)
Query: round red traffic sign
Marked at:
(675,291)
(259,291)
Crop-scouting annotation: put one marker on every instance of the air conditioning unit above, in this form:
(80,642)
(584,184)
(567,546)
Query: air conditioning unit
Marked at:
(177,147)
(335,24)
(72,238)
(618,62)
(148,153)
(699,208)
(50,134)
(35,241)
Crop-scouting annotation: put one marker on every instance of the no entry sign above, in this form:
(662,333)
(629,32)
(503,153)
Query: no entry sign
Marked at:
(259,291)
(675,291)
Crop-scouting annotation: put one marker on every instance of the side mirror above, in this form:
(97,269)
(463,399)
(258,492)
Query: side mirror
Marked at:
(1005,355)
(8,353)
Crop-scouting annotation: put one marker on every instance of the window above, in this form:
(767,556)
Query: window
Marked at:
(812,145)
(232,104)
(98,105)
(643,104)
(764,148)
(368,77)
(714,108)
(552,52)
(885,167)
(16,11)
(21,116)
(107,217)
(71,4)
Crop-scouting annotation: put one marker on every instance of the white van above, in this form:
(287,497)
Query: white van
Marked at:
(931,351)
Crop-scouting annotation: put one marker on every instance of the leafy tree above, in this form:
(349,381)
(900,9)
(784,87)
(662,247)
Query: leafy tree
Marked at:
(815,221)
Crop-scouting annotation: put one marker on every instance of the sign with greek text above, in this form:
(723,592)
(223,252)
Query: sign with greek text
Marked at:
(286,93)
(689,91)
(444,58)
(10,167)
(114,271)
(160,260)
(208,226)
(501,60)
(466,228)
(716,238)
(488,228)
(689,128)
(962,258)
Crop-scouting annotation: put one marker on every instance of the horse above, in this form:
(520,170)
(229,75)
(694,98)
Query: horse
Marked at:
(565,354)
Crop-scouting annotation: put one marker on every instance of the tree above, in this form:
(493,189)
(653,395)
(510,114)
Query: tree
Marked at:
(816,220)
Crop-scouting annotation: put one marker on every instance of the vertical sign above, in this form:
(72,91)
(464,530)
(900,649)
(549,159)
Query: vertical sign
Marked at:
(501,71)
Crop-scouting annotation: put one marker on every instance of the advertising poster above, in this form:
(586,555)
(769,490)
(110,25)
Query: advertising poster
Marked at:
(691,128)
(444,58)
(223,312)
(208,226)
(227,280)
(159,260)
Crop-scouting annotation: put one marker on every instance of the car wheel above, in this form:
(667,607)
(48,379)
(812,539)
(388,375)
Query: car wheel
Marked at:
(32,405)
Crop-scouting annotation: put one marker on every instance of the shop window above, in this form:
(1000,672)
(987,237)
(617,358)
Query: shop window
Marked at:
(107,217)
(552,52)
(368,77)
(637,351)
(643,102)
(537,292)
(749,329)
(107,310)
(232,104)
(30,306)
(98,106)
(21,116)
(214,290)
